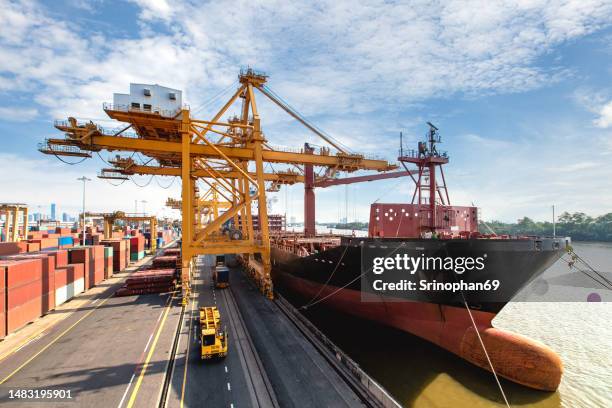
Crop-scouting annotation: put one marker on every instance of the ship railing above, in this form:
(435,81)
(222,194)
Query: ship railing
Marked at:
(414,154)
(103,130)
(169,113)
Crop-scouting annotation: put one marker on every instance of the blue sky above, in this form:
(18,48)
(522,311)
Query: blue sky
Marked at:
(520,90)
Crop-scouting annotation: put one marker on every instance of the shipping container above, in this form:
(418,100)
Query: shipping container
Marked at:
(11,248)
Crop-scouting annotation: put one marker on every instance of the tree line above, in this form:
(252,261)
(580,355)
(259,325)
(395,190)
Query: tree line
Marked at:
(578,226)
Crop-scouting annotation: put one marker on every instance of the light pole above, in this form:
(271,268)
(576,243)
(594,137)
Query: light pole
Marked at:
(144,213)
(554,223)
(84,180)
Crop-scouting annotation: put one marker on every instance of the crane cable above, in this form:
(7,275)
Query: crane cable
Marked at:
(72,164)
(207,103)
(115,185)
(148,182)
(303,118)
(169,185)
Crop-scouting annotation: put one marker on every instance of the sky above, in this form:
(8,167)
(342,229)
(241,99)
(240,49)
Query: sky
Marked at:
(520,91)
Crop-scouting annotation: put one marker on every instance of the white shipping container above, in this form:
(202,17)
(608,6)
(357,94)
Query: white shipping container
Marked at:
(65,293)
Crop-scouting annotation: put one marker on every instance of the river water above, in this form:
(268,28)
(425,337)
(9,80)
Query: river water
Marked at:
(419,374)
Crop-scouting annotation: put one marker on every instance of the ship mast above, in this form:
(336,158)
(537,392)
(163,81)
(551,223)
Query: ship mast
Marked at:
(427,191)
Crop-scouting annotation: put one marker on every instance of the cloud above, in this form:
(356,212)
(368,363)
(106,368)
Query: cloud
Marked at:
(329,55)
(605,116)
(41,181)
(352,67)
(17,114)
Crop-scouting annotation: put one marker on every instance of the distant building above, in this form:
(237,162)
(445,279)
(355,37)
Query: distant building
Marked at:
(65,217)
(149,98)
(53,211)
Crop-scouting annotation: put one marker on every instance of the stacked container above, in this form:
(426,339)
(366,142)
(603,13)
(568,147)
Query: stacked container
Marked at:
(23,291)
(148,281)
(69,281)
(137,247)
(119,253)
(65,242)
(165,262)
(47,276)
(108,262)
(92,258)
(2,303)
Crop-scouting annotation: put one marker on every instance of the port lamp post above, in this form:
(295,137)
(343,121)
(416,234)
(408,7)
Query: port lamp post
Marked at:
(84,180)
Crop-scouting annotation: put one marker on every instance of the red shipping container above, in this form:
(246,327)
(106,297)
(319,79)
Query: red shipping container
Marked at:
(118,246)
(128,251)
(62,231)
(2,317)
(68,274)
(2,304)
(48,278)
(11,248)
(82,255)
(33,247)
(21,271)
(46,242)
(97,257)
(24,293)
(19,316)
(78,272)
(108,267)
(35,235)
(60,256)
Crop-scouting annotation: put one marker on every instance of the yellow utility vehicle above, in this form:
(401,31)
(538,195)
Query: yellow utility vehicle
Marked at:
(213,338)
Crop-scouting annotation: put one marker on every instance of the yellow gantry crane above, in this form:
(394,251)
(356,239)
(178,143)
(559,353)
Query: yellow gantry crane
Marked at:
(11,211)
(207,206)
(111,218)
(229,157)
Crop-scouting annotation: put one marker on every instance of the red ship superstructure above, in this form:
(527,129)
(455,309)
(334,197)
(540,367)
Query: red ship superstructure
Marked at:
(430,211)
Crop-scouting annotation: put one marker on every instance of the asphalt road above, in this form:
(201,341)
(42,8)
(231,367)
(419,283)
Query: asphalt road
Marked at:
(115,352)
(226,382)
(111,352)
(269,362)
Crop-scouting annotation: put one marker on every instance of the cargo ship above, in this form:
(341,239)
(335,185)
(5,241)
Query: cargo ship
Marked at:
(327,271)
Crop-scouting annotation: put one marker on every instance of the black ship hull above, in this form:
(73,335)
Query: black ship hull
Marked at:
(332,277)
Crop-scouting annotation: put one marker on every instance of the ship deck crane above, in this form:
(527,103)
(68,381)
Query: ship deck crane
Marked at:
(205,149)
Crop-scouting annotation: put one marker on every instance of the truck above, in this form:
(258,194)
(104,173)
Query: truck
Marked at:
(213,338)
(221,276)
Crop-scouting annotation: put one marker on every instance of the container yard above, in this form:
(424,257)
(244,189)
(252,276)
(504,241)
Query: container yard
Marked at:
(179,240)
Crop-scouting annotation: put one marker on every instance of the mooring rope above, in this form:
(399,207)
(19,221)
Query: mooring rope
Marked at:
(306,306)
(484,348)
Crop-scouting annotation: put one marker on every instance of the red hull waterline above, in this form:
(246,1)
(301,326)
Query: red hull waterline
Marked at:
(514,357)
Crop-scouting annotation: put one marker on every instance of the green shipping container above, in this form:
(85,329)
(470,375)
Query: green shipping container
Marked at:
(137,256)
(108,252)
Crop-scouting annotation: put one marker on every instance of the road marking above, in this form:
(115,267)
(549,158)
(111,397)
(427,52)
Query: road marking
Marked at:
(32,340)
(96,301)
(231,405)
(226,369)
(150,337)
(188,347)
(28,361)
(126,391)
(229,388)
(148,359)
